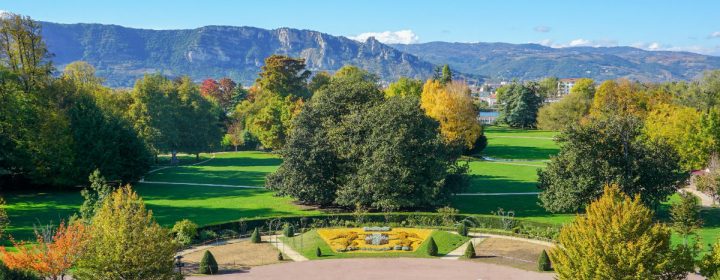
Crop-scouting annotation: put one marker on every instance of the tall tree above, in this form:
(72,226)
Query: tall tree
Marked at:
(405,87)
(23,51)
(126,242)
(94,195)
(285,76)
(608,151)
(618,239)
(620,98)
(685,215)
(446,76)
(548,87)
(682,128)
(519,105)
(452,106)
(569,110)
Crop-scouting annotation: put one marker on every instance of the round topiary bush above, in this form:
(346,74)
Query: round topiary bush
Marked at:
(462,229)
(288,230)
(255,237)
(318,252)
(432,248)
(208,264)
(544,262)
(469,251)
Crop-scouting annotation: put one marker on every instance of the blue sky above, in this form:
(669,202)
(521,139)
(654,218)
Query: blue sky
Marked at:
(655,25)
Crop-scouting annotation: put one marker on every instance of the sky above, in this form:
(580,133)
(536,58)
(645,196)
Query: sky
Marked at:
(653,25)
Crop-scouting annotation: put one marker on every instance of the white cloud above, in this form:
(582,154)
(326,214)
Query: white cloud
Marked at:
(5,14)
(580,42)
(389,37)
(655,46)
(715,34)
(542,29)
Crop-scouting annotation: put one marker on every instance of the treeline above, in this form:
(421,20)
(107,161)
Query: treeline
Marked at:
(58,129)
(644,138)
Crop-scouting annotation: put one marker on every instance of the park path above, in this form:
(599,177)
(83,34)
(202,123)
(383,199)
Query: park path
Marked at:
(287,250)
(460,251)
(705,200)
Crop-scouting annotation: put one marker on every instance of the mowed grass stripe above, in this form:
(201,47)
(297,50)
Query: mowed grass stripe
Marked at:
(247,168)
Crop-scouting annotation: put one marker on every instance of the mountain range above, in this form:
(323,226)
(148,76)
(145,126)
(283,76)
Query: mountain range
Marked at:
(121,55)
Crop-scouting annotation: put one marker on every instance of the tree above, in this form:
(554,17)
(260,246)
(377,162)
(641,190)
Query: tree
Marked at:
(570,110)
(208,264)
(682,128)
(23,50)
(15,274)
(469,250)
(405,87)
(548,87)
(709,182)
(544,262)
(4,220)
(225,92)
(318,81)
(350,148)
(50,258)
(445,76)
(126,242)
(595,246)
(255,236)
(94,196)
(710,263)
(185,231)
(452,106)
(81,74)
(685,215)
(284,76)
(518,105)
(620,98)
(462,229)
(608,151)
(288,230)
(318,252)
(432,248)
(234,136)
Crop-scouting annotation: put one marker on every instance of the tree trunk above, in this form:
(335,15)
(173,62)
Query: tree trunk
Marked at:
(197,157)
(173,159)
(236,148)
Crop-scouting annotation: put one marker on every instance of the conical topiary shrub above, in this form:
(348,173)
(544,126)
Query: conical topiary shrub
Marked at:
(544,262)
(255,237)
(432,248)
(462,229)
(280,256)
(288,230)
(318,252)
(469,251)
(208,264)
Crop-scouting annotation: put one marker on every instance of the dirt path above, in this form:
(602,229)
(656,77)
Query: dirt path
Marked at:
(705,200)
(397,268)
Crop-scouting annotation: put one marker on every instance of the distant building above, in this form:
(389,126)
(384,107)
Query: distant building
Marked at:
(488,118)
(491,99)
(564,86)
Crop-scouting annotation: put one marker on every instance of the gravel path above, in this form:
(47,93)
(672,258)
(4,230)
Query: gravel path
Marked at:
(398,269)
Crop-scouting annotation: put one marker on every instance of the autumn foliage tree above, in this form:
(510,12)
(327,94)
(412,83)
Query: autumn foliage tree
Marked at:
(49,258)
(618,239)
(452,106)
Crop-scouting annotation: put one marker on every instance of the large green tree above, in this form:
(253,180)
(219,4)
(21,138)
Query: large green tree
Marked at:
(285,76)
(518,105)
(570,109)
(608,151)
(350,148)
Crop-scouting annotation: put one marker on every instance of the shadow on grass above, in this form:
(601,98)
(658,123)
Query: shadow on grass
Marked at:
(228,177)
(491,184)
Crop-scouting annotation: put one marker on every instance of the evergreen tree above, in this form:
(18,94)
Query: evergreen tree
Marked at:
(519,105)
(432,248)
(255,237)
(685,215)
(469,251)
(544,262)
(208,264)
(94,195)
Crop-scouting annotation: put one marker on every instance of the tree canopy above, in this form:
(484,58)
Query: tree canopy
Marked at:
(518,105)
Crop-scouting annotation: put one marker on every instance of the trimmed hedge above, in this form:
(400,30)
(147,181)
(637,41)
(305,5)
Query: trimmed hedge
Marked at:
(432,248)
(318,252)
(208,264)
(396,219)
(544,262)
(469,250)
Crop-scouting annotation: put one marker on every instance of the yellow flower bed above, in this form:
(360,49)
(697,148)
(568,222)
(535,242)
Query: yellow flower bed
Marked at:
(353,239)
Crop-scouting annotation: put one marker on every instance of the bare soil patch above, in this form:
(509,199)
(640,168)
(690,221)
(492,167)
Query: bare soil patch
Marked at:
(515,253)
(235,256)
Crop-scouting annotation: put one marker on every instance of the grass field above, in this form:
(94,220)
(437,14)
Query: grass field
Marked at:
(517,156)
(307,243)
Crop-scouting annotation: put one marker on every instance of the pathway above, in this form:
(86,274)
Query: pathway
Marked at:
(705,200)
(460,251)
(287,250)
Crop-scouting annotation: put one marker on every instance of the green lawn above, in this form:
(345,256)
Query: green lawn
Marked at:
(311,240)
(513,144)
(247,168)
(184,159)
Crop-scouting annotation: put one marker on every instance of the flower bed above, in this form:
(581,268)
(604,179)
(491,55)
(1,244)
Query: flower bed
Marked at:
(373,239)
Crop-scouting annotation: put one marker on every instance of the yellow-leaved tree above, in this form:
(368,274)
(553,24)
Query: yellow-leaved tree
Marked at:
(126,242)
(618,239)
(682,128)
(620,97)
(452,106)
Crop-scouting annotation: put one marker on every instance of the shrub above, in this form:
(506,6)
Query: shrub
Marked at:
(255,237)
(208,264)
(432,248)
(280,256)
(462,229)
(288,230)
(208,235)
(318,252)
(185,231)
(470,251)
(544,262)
(15,274)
